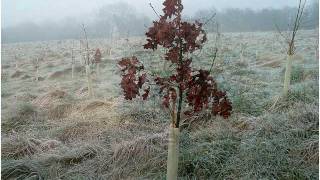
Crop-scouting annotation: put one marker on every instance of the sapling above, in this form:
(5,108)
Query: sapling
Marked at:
(35,63)
(183,85)
(290,39)
(87,62)
(243,47)
(16,60)
(82,52)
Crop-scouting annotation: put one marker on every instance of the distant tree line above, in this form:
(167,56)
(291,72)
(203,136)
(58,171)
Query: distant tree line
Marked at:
(122,20)
(114,20)
(243,20)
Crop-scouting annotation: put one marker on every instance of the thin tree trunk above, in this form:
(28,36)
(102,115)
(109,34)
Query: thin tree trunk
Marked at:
(72,71)
(88,74)
(82,59)
(98,69)
(241,56)
(257,55)
(37,74)
(173,152)
(287,76)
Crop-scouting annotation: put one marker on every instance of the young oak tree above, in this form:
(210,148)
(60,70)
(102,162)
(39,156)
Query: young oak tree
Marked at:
(185,85)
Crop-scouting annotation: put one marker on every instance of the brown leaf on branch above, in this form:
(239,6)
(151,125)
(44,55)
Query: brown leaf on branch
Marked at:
(195,87)
(131,83)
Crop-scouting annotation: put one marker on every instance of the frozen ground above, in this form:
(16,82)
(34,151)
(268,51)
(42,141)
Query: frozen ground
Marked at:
(51,129)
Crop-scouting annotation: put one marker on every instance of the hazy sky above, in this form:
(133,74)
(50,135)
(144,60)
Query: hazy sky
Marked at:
(17,11)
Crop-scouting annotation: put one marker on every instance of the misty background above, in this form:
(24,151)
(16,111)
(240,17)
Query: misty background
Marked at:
(39,20)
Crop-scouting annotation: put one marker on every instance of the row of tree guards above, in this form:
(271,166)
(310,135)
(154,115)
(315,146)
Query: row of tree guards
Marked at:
(88,58)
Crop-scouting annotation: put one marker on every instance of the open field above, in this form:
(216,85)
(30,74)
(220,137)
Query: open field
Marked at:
(51,129)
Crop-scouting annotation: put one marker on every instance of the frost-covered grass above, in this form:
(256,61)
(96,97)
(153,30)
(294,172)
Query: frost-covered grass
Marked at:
(52,130)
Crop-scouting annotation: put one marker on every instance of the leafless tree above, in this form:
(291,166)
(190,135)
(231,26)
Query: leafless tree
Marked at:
(290,38)
(87,62)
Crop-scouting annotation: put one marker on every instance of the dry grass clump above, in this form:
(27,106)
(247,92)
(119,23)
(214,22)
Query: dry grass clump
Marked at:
(244,122)
(26,97)
(46,100)
(82,92)
(17,74)
(54,165)
(312,74)
(132,128)
(305,116)
(198,121)
(21,170)
(137,116)
(135,157)
(59,111)
(304,92)
(26,76)
(62,73)
(78,155)
(20,115)
(57,74)
(17,146)
(269,60)
(310,150)
(79,131)
(95,106)
(5,66)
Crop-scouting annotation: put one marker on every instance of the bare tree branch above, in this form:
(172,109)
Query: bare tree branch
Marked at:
(87,44)
(208,20)
(154,10)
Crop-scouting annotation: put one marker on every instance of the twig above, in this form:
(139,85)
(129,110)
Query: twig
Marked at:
(215,48)
(87,44)
(281,34)
(154,10)
(208,20)
(214,58)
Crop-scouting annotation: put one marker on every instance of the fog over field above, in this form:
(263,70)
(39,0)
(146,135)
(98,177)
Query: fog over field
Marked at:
(48,20)
(19,11)
(146,89)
